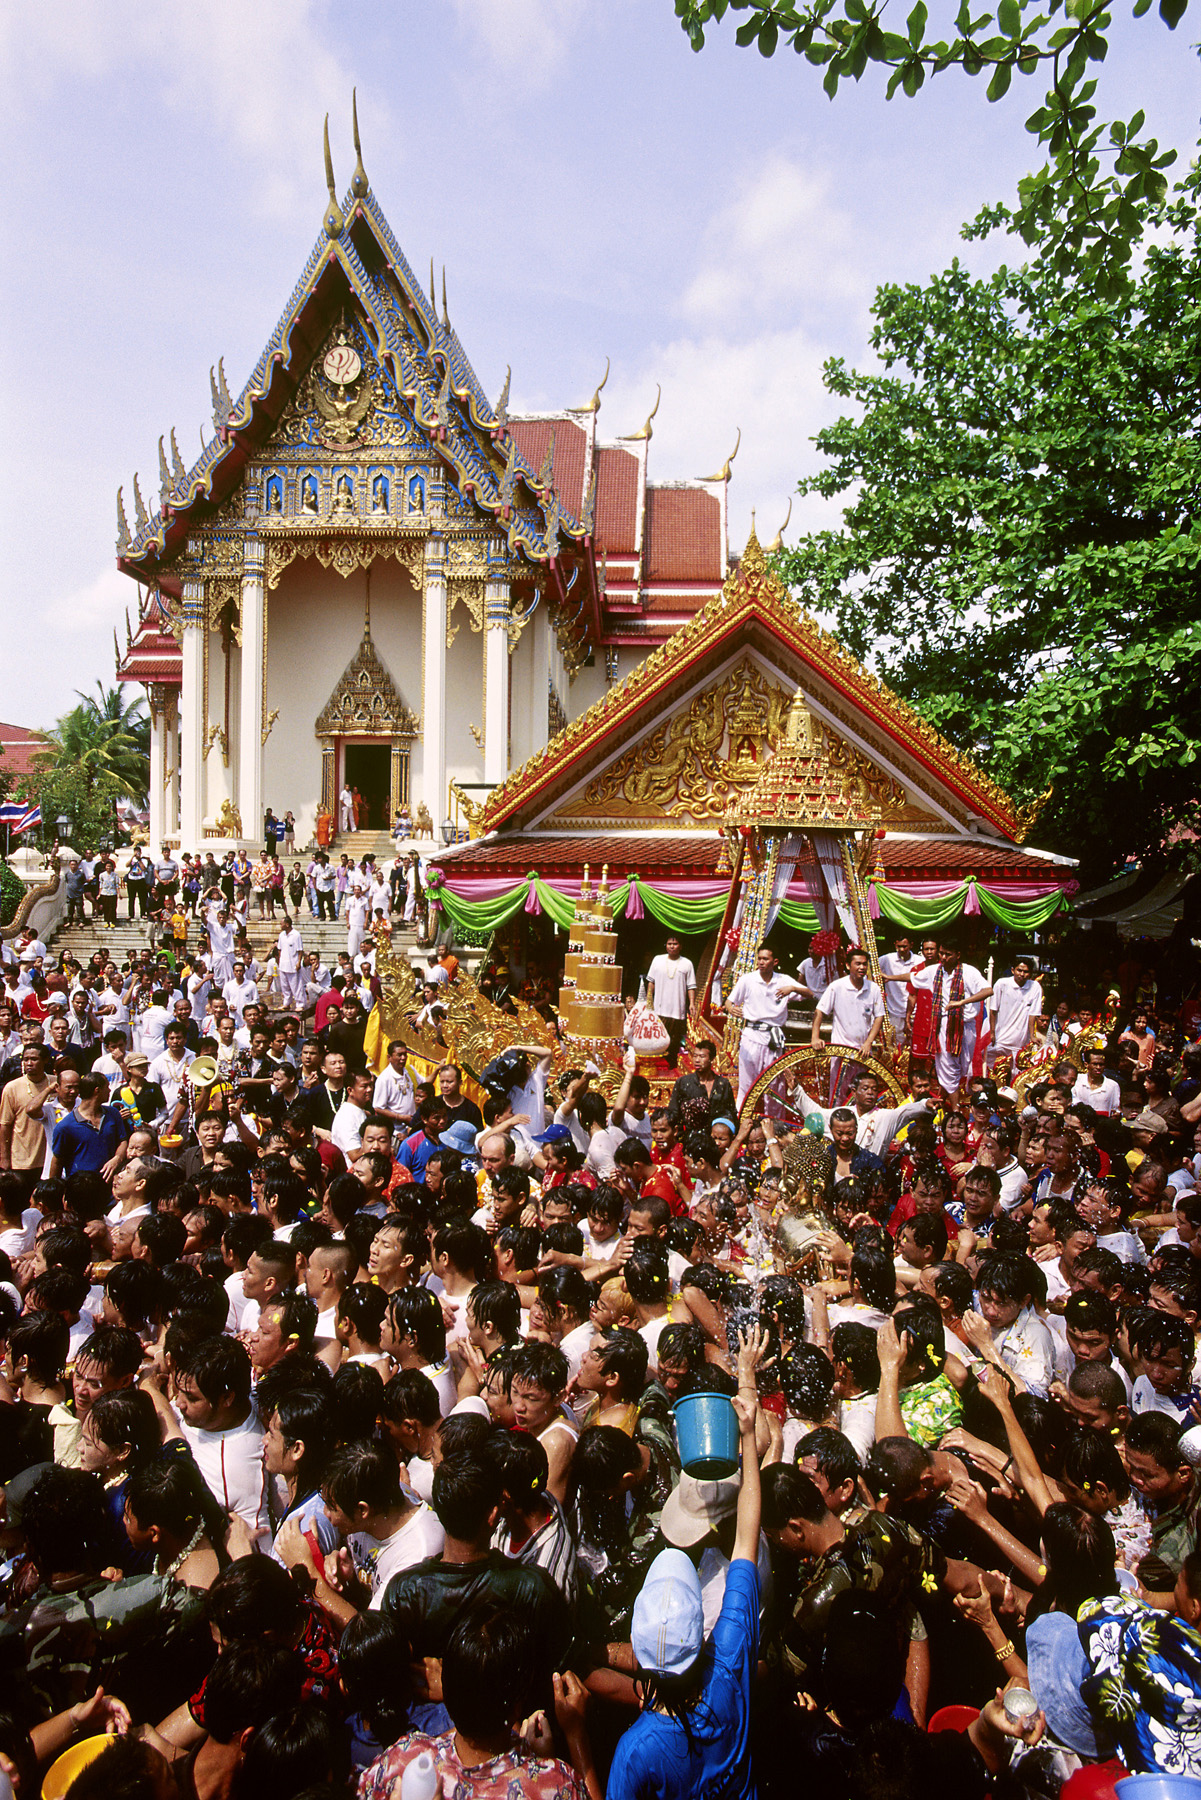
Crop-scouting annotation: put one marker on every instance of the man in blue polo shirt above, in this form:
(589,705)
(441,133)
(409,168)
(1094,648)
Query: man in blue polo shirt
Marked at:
(416,1151)
(91,1137)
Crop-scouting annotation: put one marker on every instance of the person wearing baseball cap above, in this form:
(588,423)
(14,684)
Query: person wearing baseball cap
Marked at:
(692,1735)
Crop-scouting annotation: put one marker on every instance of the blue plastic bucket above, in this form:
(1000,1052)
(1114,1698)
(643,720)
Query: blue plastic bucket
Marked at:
(707,1434)
(1158,1787)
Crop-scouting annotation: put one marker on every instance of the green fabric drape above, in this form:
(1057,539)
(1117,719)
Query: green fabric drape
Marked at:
(693,916)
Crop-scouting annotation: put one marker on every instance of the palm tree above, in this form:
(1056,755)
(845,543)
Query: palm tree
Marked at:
(106,741)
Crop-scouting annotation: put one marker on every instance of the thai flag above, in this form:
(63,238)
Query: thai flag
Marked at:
(19,816)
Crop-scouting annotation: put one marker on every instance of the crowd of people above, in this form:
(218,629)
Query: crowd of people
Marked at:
(338,1421)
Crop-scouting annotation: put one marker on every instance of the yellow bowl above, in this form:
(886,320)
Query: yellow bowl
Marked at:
(72,1762)
(170,1141)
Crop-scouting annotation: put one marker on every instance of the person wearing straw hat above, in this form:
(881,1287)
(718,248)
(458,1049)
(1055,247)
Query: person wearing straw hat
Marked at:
(692,1736)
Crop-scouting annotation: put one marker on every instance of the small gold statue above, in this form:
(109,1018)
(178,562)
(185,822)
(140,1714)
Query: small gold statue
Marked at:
(229,820)
(423,825)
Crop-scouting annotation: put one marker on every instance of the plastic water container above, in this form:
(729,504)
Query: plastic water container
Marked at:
(1158,1787)
(707,1433)
(420,1779)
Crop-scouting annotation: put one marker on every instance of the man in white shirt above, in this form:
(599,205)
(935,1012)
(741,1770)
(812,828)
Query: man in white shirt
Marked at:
(222,1431)
(854,1007)
(152,1024)
(393,1096)
(290,949)
(346,1132)
(817,972)
(356,919)
(760,1000)
(221,944)
(876,1125)
(199,989)
(1096,1089)
(170,1068)
(345,809)
(1015,1006)
(954,987)
(898,964)
(239,992)
(670,992)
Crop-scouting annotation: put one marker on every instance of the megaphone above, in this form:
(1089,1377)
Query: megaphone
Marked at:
(202,1071)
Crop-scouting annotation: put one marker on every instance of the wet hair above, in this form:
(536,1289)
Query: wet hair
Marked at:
(1098,1381)
(646,1273)
(927,1340)
(952,1282)
(164,1236)
(1090,1458)
(65,1523)
(788,1493)
(807,1378)
(1090,1311)
(356,1394)
(603,1456)
(410,1395)
(253,1598)
(114,1349)
(627,1353)
(362,1474)
(496,1306)
(374,1655)
(543,1366)
(43,1339)
(524,1243)
(520,1462)
(466,1490)
(169,1492)
(855,1345)
(834,1454)
(894,1467)
(66,1246)
(1006,1278)
(874,1274)
(1080,1554)
(1181,1283)
(1157,1435)
(495,1668)
(929,1233)
(561,1287)
(1151,1330)
(219,1366)
(247,1685)
(416,1313)
(682,1343)
(294,1751)
(127,1416)
(136,1289)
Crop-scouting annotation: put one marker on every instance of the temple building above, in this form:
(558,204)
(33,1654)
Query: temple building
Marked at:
(667,773)
(375,576)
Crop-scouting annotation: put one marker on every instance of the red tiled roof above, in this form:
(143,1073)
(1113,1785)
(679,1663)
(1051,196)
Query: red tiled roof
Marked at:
(616,501)
(18,747)
(684,535)
(154,655)
(696,856)
(532,437)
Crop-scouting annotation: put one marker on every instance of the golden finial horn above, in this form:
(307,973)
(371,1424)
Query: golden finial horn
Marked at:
(723,474)
(445,313)
(433,290)
(360,187)
(647,432)
(593,405)
(777,542)
(334,222)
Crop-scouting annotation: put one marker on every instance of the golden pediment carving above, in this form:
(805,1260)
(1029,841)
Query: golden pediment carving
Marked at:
(696,767)
(365,702)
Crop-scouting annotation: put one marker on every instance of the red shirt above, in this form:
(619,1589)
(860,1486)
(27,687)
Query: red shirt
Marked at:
(33,1008)
(906,1209)
(330,1001)
(662,1187)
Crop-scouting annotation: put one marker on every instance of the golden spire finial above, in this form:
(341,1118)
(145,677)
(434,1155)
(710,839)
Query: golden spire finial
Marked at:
(334,222)
(433,291)
(593,405)
(723,474)
(777,542)
(360,187)
(445,313)
(646,432)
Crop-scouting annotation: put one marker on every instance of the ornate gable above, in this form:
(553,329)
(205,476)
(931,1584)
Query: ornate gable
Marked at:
(365,702)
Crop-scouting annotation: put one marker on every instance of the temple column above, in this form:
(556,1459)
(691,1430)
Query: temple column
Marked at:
(433,682)
(496,680)
(192,723)
(250,714)
(159,753)
(540,627)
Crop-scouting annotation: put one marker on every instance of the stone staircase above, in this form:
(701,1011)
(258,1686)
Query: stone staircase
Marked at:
(128,936)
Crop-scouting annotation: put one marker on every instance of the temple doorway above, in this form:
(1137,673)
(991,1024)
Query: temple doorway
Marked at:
(367,767)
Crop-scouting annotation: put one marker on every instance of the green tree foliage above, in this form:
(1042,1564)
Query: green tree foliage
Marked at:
(95,755)
(1021,546)
(1087,202)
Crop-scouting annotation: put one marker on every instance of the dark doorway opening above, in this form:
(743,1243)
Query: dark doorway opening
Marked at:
(368,767)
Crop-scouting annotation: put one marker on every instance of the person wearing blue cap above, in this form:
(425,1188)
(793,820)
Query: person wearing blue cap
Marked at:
(692,1738)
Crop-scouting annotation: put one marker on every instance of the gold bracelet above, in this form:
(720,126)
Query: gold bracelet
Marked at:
(1005,1651)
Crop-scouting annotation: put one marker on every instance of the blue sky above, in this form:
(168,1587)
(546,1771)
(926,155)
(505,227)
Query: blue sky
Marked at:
(593,188)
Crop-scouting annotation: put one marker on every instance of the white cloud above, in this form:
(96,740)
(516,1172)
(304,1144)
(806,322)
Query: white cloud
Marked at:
(526,42)
(781,244)
(259,76)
